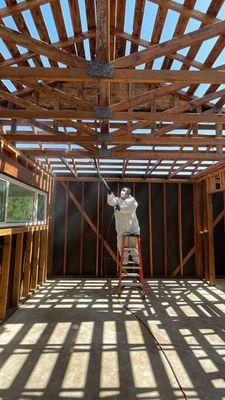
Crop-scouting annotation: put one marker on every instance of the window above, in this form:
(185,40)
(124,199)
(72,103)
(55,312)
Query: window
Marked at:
(21,204)
(3,187)
(41,208)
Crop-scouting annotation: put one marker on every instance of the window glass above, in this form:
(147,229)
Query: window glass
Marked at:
(41,207)
(2,200)
(20,204)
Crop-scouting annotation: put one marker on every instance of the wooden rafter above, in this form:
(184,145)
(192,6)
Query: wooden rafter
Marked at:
(156,111)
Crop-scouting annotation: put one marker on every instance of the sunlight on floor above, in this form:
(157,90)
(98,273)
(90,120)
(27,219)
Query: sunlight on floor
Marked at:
(74,340)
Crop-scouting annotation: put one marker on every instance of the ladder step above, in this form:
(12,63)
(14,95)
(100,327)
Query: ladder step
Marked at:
(129,248)
(131,275)
(131,263)
(131,267)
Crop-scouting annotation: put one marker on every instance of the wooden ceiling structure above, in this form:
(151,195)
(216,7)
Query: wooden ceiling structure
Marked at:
(94,102)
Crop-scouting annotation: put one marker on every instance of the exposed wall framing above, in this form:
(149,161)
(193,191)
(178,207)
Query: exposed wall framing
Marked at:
(150,113)
(23,264)
(84,244)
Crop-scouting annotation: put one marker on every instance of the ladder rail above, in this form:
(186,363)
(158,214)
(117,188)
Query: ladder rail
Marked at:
(138,275)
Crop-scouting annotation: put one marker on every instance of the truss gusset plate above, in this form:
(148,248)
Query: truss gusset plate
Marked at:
(101,69)
(104,152)
(105,137)
(103,112)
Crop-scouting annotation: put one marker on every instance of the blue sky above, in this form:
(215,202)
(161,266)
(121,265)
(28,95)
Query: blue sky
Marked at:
(146,32)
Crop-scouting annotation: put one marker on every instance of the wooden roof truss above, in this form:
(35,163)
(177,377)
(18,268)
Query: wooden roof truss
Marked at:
(150,108)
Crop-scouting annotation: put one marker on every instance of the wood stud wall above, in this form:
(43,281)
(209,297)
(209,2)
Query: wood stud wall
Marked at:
(29,264)
(83,243)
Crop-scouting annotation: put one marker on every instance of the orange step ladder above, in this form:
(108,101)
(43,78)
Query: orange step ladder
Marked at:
(131,273)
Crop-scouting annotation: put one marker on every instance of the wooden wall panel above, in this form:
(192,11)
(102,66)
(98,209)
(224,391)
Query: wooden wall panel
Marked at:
(74,231)
(187,215)
(218,205)
(157,228)
(141,195)
(219,234)
(59,230)
(91,238)
(172,226)
(11,272)
(89,245)
(107,227)
(20,264)
(219,249)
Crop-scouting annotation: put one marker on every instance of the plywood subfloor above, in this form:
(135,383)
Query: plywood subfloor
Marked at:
(74,340)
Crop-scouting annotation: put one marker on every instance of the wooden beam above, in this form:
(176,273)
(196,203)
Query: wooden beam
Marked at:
(27,264)
(185,11)
(210,238)
(4,277)
(116,116)
(172,45)
(180,236)
(42,271)
(76,24)
(25,74)
(137,22)
(129,140)
(184,261)
(180,28)
(165,242)
(13,168)
(86,217)
(150,228)
(198,229)
(218,218)
(17,270)
(82,229)
(65,232)
(103,52)
(61,44)
(97,235)
(91,17)
(35,261)
(23,6)
(41,48)
(74,173)
(120,20)
(58,94)
(131,154)
(147,97)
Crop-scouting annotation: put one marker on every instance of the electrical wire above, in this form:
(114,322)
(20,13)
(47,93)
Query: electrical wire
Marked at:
(158,345)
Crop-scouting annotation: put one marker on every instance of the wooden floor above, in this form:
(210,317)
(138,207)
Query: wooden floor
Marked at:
(74,340)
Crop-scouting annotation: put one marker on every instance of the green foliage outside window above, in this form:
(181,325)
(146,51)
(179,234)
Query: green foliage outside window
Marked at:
(20,204)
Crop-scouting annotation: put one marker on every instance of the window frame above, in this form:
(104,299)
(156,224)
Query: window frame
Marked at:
(9,180)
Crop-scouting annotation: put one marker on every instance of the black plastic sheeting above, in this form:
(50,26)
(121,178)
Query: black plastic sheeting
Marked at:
(104,264)
(219,235)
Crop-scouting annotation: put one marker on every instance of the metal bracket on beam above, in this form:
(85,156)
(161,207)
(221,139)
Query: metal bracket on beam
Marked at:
(103,152)
(103,112)
(101,69)
(105,137)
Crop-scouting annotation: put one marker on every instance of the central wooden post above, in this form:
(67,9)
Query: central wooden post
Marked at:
(103,52)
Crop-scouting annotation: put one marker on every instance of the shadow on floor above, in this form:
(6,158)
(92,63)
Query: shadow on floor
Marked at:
(74,340)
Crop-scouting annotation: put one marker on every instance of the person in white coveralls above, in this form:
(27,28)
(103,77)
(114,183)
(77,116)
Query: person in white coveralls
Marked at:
(126,221)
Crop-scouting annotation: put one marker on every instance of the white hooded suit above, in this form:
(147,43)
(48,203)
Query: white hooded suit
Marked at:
(126,218)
